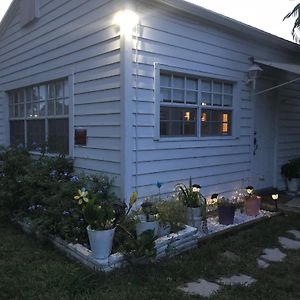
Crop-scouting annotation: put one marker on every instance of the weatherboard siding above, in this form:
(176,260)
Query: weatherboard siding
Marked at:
(76,38)
(219,165)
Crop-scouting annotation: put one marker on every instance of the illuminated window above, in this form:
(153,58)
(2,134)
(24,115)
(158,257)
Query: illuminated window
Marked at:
(39,117)
(184,97)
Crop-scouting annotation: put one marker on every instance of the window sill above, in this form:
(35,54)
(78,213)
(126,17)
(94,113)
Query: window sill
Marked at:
(197,139)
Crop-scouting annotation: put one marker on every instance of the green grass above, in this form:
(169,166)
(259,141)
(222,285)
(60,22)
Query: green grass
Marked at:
(31,270)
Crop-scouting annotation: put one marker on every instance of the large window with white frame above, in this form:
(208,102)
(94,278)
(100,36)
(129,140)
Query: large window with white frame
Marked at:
(39,117)
(189,104)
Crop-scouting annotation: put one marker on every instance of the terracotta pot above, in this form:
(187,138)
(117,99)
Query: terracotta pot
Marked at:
(252,205)
(226,214)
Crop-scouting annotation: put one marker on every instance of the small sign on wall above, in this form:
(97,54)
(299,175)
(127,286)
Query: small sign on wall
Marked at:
(80,136)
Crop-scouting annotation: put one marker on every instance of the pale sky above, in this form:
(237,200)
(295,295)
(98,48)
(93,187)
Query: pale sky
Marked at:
(263,14)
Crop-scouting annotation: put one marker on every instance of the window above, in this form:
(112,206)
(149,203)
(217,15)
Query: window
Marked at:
(186,101)
(39,117)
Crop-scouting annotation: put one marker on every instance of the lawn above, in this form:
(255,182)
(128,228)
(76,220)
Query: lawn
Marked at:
(32,270)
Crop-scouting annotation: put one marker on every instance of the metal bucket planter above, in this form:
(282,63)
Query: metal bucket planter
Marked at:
(252,205)
(101,242)
(226,214)
(144,226)
(193,217)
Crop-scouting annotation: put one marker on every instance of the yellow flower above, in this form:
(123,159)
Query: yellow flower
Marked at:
(82,196)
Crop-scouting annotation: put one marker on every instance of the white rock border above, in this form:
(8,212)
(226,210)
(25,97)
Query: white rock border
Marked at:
(166,246)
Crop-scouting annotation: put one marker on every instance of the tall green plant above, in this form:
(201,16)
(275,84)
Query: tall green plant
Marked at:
(296,14)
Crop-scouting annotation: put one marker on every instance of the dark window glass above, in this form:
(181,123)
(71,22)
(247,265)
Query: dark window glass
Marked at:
(216,122)
(178,121)
(35,134)
(17,133)
(58,136)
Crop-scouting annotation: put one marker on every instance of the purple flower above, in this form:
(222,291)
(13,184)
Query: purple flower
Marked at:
(74,178)
(66,213)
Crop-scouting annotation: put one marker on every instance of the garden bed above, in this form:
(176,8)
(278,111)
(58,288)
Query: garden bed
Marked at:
(166,246)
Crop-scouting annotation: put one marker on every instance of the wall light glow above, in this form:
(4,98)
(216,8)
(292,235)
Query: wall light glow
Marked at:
(126,20)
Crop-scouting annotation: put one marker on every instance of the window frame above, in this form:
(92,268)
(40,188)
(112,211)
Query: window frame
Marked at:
(235,110)
(68,79)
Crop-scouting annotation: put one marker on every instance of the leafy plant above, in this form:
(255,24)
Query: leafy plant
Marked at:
(150,211)
(190,195)
(226,202)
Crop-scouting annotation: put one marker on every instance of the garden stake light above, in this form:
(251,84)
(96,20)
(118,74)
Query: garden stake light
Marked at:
(275,198)
(249,189)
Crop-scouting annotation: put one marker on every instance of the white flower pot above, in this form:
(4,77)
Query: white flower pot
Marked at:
(143,226)
(292,185)
(101,242)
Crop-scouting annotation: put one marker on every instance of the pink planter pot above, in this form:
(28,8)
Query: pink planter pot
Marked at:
(252,205)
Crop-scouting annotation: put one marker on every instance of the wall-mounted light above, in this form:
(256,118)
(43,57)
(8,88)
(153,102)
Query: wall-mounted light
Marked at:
(253,74)
(126,20)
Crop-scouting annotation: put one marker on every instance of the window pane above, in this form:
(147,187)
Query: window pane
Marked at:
(215,122)
(228,88)
(50,107)
(227,100)
(165,80)
(35,134)
(178,82)
(217,101)
(29,109)
(52,94)
(66,106)
(58,136)
(17,135)
(206,99)
(35,93)
(43,92)
(191,97)
(59,89)
(217,87)
(206,85)
(59,107)
(178,121)
(165,95)
(192,84)
(178,96)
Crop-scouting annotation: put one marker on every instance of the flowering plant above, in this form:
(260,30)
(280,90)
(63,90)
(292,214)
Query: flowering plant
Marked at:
(99,213)
(190,195)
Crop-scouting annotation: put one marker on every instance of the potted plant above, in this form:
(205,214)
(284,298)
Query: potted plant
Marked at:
(193,200)
(226,211)
(290,171)
(100,217)
(251,202)
(148,220)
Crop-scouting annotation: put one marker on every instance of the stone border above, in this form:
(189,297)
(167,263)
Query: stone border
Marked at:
(166,246)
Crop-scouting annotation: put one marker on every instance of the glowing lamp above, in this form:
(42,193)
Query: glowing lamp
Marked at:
(126,20)
(275,198)
(249,189)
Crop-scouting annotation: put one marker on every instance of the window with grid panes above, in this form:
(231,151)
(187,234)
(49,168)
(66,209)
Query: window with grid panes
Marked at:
(39,117)
(186,100)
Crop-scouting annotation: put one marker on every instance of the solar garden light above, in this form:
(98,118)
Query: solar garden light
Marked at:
(275,197)
(214,198)
(249,190)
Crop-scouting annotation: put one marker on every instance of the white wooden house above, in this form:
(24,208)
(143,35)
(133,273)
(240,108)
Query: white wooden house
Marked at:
(160,88)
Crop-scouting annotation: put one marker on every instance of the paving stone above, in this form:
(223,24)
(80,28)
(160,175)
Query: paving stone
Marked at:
(288,243)
(273,255)
(262,264)
(200,288)
(294,202)
(237,280)
(231,256)
(296,233)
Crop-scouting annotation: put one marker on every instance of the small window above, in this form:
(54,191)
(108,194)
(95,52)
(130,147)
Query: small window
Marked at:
(182,97)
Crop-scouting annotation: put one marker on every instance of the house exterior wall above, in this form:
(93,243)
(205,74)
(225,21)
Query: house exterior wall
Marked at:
(165,37)
(289,127)
(78,40)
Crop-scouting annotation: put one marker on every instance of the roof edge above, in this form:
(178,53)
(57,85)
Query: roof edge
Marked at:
(8,16)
